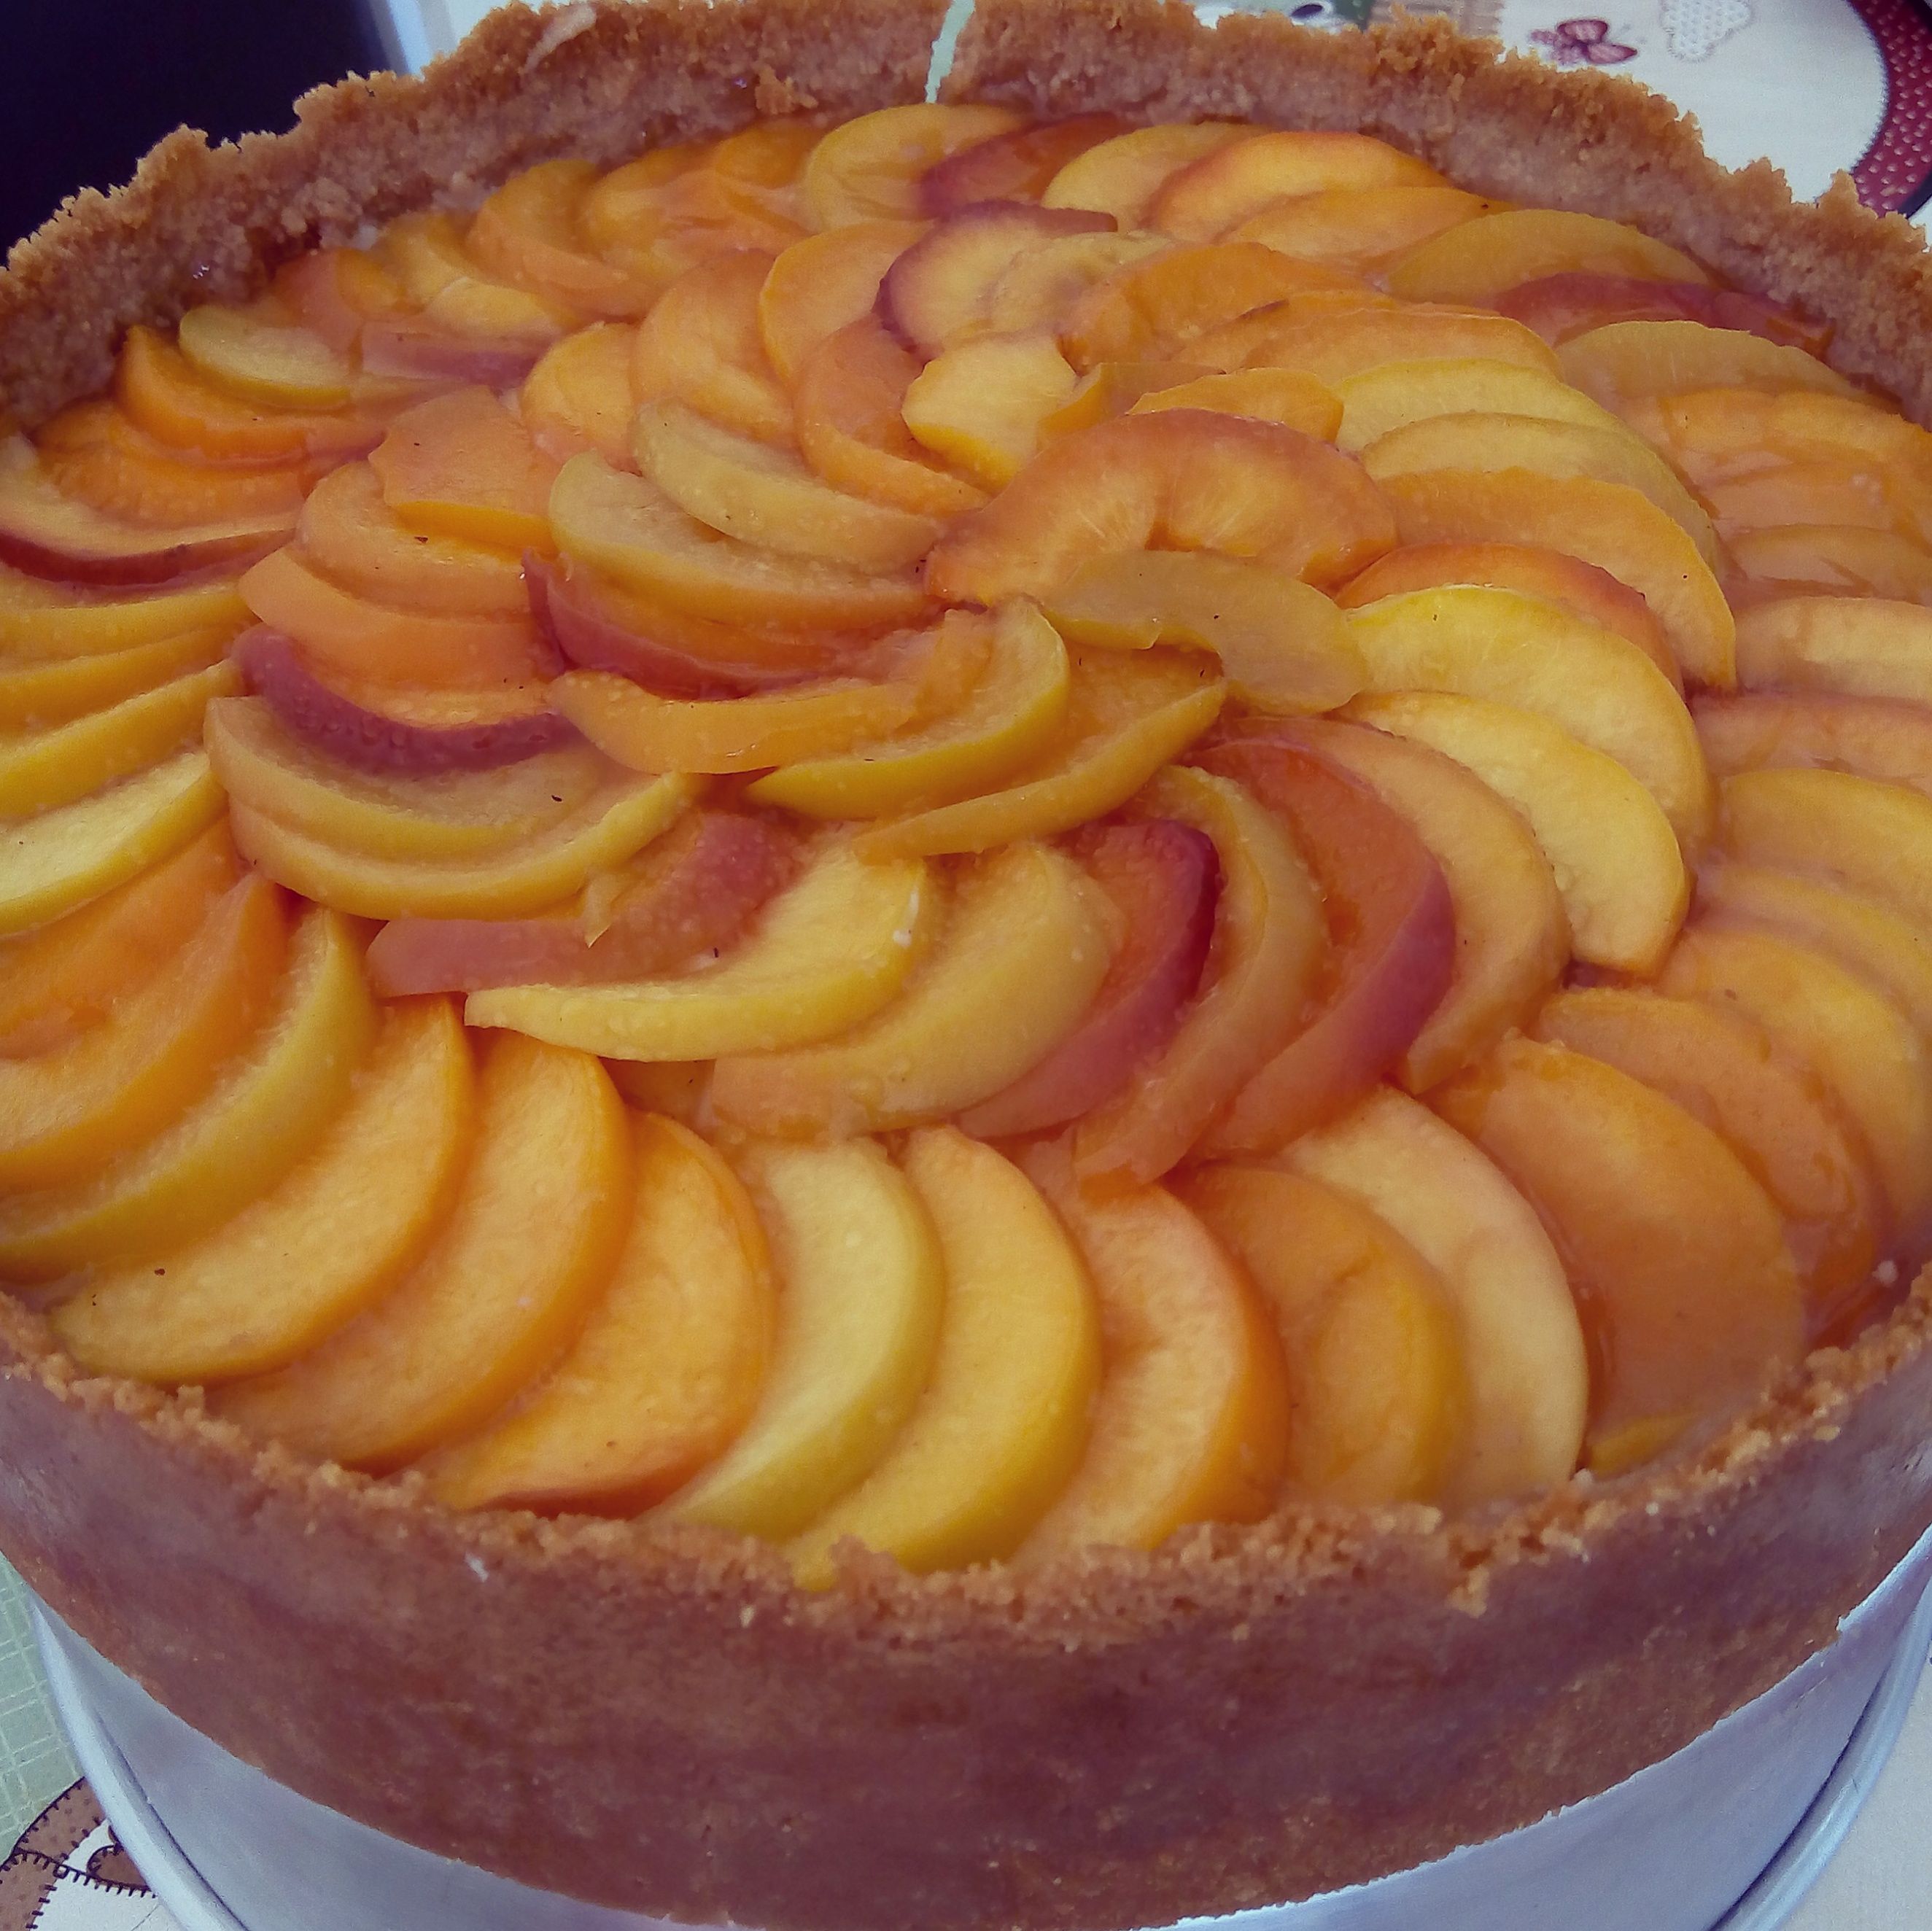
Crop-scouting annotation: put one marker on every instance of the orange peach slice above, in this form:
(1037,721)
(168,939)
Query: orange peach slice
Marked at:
(1192,1421)
(1479,260)
(828,953)
(1616,859)
(824,283)
(1333,342)
(62,859)
(1823,560)
(1779,1118)
(1270,937)
(1004,1417)
(628,529)
(1389,396)
(669,210)
(984,404)
(1024,949)
(1379,1399)
(1625,361)
(763,496)
(333,1235)
(1728,431)
(1178,479)
(463,466)
(537,1222)
(42,622)
(703,343)
(528,233)
(1820,493)
(36,695)
(67,1112)
(1212,195)
(579,395)
(1522,1344)
(1282,647)
(1359,230)
(1038,286)
(1688,1292)
(263,359)
(1126,716)
(1018,165)
(1856,646)
(668,1367)
(861,1289)
(870,168)
(1512,933)
(1608,524)
(1121,177)
(1285,396)
(1874,737)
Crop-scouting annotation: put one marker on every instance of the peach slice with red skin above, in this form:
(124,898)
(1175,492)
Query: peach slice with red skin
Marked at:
(1359,230)
(984,404)
(824,283)
(1178,479)
(413,348)
(873,168)
(1872,737)
(1391,932)
(462,466)
(1623,362)
(578,397)
(1478,261)
(1018,165)
(1570,303)
(1120,177)
(702,343)
(1214,194)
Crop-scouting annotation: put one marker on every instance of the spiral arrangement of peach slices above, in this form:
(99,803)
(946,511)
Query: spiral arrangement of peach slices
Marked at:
(1110,848)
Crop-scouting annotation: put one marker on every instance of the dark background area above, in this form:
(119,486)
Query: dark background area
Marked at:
(88,86)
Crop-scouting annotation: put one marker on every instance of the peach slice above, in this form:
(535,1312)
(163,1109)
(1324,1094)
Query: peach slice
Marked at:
(1511,649)
(415,350)
(1521,1343)
(1822,560)
(1359,230)
(1269,939)
(1389,396)
(66,1113)
(1616,859)
(824,283)
(1333,342)
(873,168)
(1039,286)
(336,1233)
(579,397)
(984,404)
(1010,717)
(849,399)
(1478,261)
(1379,1397)
(266,1108)
(1023,951)
(1778,1118)
(1165,304)
(1018,165)
(1874,737)
(1835,1022)
(1281,645)
(1855,646)
(1191,1424)
(1126,716)
(861,1288)
(1120,177)
(1819,493)
(614,824)
(36,695)
(1285,396)
(1608,524)
(828,953)
(1512,933)
(1623,362)
(1178,479)
(56,983)
(538,1219)
(42,770)
(262,358)
(659,216)
(1109,389)
(46,623)
(940,287)
(1729,431)
(333,291)
(461,465)
(667,1368)
(51,864)
(627,528)
(528,232)
(762,496)
(1214,194)
(1004,1417)
(1559,306)
(702,343)
(1689,1297)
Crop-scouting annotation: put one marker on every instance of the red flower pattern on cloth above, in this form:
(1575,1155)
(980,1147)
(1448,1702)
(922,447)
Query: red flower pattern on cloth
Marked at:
(1570,42)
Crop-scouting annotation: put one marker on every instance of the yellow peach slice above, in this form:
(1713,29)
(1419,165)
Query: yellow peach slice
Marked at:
(1269,941)
(1191,1424)
(1359,230)
(1478,261)
(1126,717)
(1023,948)
(1379,1397)
(34,696)
(1011,716)
(1286,396)
(1390,396)
(1215,194)
(631,530)
(1609,524)
(1836,1023)
(579,395)
(1004,1417)
(266,1108)
(669,1366)
(67,1112)
(824,283)
(1511,649)
(1677,1256)
(43,622)
(1522,1343)
(1616,860)
(1122,176)
(263,360)
(983,403)
(702,343)
(861,1288)
(50,864)
(614,824)
(1041,284)
(1512,932)
(869,169)
(331,1237)
(1858,646)
(1333,342)
(1282,647)
(538,1218)
(1825,560)
(746,489)
(1623,362)
(829,953)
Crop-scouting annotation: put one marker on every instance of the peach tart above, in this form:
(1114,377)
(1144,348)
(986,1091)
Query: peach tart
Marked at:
(1005,1010)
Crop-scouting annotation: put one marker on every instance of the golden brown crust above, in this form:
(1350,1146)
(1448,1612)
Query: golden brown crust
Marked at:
(653,1716)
